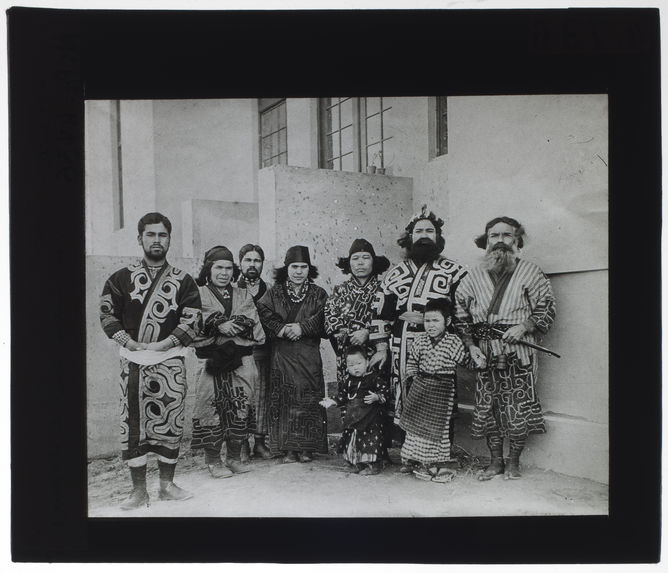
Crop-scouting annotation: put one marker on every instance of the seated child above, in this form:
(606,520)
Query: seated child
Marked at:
(364,395)
(429,402)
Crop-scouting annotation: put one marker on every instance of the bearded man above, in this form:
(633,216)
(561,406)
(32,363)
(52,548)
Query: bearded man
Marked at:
(152,311)
(402,295)
(514,296)
(251,261)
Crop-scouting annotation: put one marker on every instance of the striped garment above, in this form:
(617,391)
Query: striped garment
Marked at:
(528,299)
(505,399)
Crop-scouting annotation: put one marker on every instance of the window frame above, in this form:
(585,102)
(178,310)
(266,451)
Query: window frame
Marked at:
(265,105)
(360,133)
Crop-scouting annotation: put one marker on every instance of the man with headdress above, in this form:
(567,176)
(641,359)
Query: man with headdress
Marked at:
(401,297)
(292,313)
(251,261)
(499,305)
(152,311)
(227,381)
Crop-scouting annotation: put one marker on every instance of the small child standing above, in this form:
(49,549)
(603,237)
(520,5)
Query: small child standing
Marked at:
(364,395)
(429,403)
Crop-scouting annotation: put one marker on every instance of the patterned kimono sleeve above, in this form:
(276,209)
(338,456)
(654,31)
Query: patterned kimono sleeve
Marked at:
(460,355)
(413,359)
(111,311)
(270,318)
(315,325)
(383,314)
(457,277)
(463,318)
(543,304)
(190,312)
(333,314)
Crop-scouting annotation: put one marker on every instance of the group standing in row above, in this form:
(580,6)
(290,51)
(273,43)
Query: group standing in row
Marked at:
(398,341)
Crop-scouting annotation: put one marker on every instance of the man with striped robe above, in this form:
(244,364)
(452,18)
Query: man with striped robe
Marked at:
(516,297)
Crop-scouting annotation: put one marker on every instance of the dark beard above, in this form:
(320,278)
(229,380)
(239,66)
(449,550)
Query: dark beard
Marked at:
(423,251)
(155,257)
(252,274)
(500,258)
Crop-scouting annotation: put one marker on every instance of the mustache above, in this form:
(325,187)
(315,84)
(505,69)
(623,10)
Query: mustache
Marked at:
(502,247)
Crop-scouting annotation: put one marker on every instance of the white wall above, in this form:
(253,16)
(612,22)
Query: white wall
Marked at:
(204,149)
(139,192)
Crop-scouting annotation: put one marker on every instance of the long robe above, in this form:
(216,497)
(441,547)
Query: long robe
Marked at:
(506,400)
(133,305)
(348,309)
(224,401)
(429,404)
(407,288)
(262,356)
(297,422)
(364,424)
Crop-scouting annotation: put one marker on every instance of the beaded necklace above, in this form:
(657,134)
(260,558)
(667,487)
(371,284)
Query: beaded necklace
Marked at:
(295,292)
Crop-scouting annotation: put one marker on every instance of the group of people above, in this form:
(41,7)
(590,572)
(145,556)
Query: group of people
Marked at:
(398,341)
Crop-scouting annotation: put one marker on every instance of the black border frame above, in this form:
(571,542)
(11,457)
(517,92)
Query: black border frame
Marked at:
(59,57)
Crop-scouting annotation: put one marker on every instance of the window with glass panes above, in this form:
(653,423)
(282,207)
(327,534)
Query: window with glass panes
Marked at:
(273,132)
(352,133)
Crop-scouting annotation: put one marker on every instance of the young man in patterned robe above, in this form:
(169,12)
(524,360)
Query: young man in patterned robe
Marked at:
(251,261)
(152,311)
(516,297)
(401,297)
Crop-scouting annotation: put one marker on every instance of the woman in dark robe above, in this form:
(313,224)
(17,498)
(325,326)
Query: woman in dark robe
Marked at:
(292,312)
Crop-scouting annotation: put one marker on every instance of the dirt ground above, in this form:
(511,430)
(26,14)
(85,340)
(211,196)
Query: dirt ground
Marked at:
(324,488)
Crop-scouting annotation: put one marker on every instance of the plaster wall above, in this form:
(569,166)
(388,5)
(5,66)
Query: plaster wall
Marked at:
(206,150)
(209,223)
(139,191)
(540,159)
(302,132)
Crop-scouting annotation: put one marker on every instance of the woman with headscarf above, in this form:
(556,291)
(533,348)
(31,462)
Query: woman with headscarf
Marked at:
(227,380)
(348,309)
(292,313)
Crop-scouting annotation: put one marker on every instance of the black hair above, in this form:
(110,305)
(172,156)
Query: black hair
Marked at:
(153,219)
(380,265)
(205,272)
(249,248)
(440,304)
(281,273)
(481,240)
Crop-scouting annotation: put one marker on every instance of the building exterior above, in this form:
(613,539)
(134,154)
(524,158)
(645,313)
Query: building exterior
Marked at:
(287,171)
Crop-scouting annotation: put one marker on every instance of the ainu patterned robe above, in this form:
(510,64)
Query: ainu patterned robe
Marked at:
(224,404)
(152,396)
(348,309)
(363,425)
(506,400)
(297,421)
(407,288)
